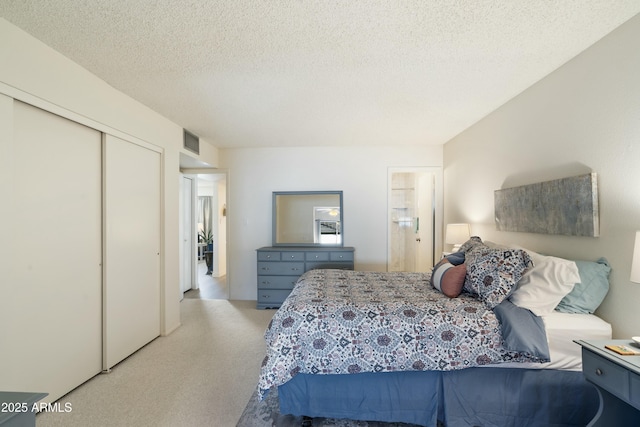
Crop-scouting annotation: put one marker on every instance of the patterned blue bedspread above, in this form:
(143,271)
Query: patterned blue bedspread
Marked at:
(341,321)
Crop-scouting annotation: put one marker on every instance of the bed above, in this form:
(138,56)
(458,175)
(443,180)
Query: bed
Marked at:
(394,347)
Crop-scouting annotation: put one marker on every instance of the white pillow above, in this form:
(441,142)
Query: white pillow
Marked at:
(544,285)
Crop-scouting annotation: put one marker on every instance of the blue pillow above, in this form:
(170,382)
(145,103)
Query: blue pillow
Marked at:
(522,331)
(587,295)
(456,258)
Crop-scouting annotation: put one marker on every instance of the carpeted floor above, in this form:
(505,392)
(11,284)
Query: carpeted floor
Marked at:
(203,374)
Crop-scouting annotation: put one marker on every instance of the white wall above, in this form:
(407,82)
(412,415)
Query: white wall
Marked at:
(360,172)
(584,117)
(36,74)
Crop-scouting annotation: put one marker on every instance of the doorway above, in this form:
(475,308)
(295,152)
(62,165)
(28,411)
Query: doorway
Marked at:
(412,219)
(210,234)
(210,184)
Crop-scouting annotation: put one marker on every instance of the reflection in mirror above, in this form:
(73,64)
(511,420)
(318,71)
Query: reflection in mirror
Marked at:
(326,229)
(307,218)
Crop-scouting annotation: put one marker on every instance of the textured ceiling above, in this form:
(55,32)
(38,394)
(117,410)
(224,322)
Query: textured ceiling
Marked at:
(242,73)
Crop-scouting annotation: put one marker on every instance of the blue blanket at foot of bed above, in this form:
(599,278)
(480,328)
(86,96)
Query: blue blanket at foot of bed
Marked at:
(470,397)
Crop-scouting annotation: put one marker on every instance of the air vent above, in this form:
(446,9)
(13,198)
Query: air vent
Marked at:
(191,142)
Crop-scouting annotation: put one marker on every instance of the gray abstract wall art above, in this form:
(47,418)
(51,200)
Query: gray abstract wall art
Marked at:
(567,206)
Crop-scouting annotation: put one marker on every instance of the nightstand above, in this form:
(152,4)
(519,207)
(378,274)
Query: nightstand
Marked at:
(617,379)
(18,408)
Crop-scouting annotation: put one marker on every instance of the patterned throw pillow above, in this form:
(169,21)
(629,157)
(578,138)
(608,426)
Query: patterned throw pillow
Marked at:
(492,274)
(471,243)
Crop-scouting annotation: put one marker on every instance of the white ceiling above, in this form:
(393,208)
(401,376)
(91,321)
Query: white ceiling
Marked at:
(242,73)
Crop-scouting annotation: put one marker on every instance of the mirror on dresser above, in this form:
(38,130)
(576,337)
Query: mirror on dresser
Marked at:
(307,218)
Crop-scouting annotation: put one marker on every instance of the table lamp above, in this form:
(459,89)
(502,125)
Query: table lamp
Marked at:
(457,234)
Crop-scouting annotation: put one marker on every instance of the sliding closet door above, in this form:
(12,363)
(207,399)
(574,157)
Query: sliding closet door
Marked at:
(132,248)
(51,294)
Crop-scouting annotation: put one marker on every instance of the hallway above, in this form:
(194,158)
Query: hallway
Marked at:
(209,287)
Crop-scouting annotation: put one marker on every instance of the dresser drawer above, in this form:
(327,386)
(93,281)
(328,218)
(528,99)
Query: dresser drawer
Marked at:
(330,265)
(341,256)
(277,282)
(268,256)
(317,256)
(634,384)
(606,374)
(280,268)
(272,297)
(280,256)
(292,256)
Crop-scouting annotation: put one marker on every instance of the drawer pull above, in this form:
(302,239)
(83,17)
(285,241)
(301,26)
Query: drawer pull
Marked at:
(599,372)
(265,268)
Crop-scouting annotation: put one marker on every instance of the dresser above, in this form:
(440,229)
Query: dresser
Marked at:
(617,379)
(279,267)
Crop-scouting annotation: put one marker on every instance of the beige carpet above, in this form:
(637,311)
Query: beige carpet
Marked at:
(203,374)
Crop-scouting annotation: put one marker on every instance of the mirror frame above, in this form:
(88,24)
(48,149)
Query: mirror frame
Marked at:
(274,216)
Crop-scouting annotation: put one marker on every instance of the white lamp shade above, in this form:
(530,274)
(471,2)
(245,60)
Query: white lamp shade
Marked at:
(635,263)
(457,233)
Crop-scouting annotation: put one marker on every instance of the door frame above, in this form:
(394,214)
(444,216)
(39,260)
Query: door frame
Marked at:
(187,226)
(438,208)
(227,205)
